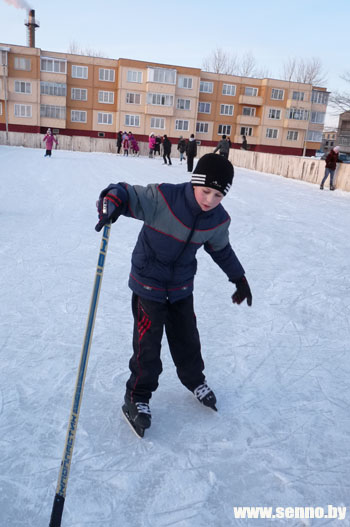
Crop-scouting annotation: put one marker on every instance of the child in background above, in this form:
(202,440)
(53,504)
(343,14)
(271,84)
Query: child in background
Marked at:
(49,139)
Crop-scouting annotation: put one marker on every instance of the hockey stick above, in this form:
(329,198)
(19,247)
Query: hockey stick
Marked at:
(58,503)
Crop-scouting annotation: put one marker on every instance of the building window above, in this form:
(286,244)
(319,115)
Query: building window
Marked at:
(318,117)
(206,87)
(134,76)
(106,75)
(106,97)
(274,113)
(271,133)
(298,95)
(79,94)
(180,124)
(249,111)
(224,129)
(132,120)
(292,135)
(23,110)
(247,131)
(53,65)
(277,94)
(133,98)
(314,136)
(0,108)
(183,104)
(202,128)
(77,116)
(251,92)
(158,122)
(298,114)
(185,82)
(79,72)
(22,64)
(319,97)
(104,118)
(226,109)
(204,107)
(161,75)
(23,87)
(53,88)
(160,99)
(54,112)
(228,89)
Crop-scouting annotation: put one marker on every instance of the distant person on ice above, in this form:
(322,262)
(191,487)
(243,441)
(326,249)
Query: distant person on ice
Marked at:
(223,147)
(178,220)
(49,140)
(331,165)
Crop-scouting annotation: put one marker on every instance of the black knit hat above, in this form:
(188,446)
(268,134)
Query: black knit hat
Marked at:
(213,171)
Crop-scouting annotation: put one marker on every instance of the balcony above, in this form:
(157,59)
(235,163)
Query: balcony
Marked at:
(295,124)
(249,99)
(305,105)
(248,120)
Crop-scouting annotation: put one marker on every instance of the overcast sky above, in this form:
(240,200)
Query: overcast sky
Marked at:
(183,33)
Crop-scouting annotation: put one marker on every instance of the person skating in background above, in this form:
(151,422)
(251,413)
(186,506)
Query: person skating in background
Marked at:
(244,143)
(151,145)
(191,152)
(119,141)
(223,147)
(181,146)
(331,165)
(157,145)
(178,220)
(49,139)
(134,146)
(166,149)
(126,144)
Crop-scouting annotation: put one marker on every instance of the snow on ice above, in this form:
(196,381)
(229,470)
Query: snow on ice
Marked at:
(280,369)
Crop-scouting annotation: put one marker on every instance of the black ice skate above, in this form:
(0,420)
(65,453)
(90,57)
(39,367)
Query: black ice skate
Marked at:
(205,396)
(138,416)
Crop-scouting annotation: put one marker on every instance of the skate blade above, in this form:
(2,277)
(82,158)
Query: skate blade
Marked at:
(140,432)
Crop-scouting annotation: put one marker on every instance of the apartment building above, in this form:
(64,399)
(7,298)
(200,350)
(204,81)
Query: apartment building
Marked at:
(97,97)
(343,136)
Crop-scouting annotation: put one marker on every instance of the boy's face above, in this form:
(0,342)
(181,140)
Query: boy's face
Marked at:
(207,198)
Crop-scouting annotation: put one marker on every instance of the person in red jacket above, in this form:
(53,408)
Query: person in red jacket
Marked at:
(331,165)
(49,140)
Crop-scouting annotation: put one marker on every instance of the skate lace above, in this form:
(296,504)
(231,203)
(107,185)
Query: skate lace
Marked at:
(201,391)
(143,408)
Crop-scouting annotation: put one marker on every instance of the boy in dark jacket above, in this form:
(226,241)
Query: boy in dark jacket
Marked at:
(223,147)
(191,152)
(331,165)
(166,149)
(178,220)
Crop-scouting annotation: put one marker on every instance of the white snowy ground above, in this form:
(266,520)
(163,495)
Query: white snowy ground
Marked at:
(280,369)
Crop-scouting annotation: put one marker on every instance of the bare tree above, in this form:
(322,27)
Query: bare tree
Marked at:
(309,71)
(289,69)
(221,62)
(247,66)
(75,49)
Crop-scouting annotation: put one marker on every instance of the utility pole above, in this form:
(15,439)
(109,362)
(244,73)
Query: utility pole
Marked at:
(4,66)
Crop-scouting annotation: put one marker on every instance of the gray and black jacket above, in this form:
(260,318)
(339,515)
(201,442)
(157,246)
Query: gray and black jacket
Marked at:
(163,263)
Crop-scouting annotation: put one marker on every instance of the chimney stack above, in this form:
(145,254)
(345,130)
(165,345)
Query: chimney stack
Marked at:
(31,24)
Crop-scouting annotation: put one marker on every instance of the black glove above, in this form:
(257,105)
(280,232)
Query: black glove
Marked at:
(243,291)
(108,206)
